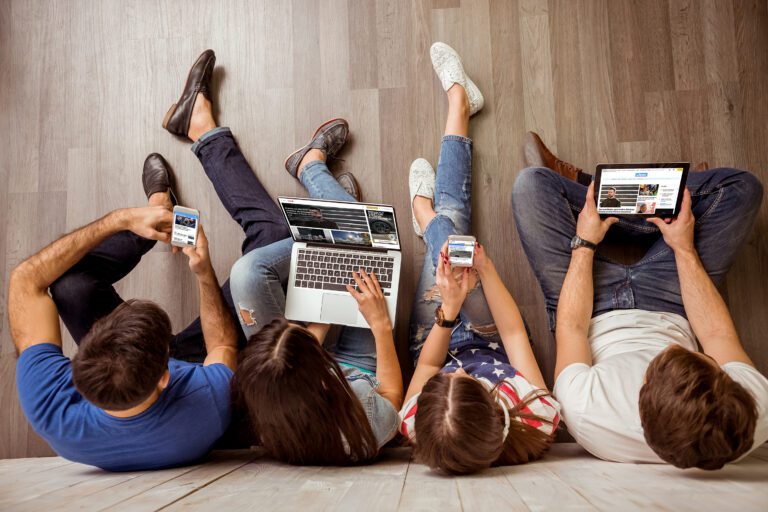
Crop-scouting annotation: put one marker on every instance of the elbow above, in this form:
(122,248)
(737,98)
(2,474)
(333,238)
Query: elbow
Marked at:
(20,278)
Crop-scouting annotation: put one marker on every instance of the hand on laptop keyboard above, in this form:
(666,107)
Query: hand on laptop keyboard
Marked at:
(333,269)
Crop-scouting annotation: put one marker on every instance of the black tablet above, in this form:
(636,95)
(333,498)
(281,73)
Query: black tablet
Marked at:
(640,190)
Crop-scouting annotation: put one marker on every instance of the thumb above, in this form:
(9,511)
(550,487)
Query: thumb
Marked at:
(160,236)
(189,251)
(610,221)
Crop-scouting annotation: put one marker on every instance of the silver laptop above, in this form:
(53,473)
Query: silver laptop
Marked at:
(333,238)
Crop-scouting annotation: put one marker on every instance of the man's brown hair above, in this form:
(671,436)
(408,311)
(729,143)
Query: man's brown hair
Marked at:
(122,358)
(460,427)
(693,413)
(299,403)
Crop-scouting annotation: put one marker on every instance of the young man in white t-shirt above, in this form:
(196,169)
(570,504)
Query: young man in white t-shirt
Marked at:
(631,382)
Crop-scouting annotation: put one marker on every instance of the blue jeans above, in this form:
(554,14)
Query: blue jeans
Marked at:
(725,203)
(85,293)
(260,278)
(453,205)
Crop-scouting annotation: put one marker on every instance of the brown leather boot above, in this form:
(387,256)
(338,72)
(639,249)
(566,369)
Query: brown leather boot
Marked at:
(179,115)
(538,155)
(700,167)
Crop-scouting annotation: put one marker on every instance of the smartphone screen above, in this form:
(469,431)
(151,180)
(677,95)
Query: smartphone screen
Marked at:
(184,227)
(461,252)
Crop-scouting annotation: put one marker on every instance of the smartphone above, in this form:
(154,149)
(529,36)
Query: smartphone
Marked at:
(461,250)
(185,221)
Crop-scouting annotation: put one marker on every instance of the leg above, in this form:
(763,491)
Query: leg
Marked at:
(724,201)
(258,282)
(85,292)
(355,347)
(318,180)
(546,229)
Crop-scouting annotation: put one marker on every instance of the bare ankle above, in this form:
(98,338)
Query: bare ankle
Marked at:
(313,155)
(161,199)
(202,120)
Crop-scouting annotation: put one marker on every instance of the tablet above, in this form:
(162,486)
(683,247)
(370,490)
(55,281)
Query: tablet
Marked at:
(640,190)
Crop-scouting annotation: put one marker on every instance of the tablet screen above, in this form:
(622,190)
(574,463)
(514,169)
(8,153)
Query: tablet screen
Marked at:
(652,191)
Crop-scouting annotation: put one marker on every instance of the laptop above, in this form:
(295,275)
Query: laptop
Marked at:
(332,239)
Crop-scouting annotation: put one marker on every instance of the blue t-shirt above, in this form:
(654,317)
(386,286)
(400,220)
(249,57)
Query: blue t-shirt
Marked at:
(179,428)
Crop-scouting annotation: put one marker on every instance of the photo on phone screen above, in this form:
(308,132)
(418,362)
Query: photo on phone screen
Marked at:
(185,222)
(461,251)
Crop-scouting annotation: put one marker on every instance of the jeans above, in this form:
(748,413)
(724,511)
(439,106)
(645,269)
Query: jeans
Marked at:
(725,203)
(85,293)
(453,205)
(260,278)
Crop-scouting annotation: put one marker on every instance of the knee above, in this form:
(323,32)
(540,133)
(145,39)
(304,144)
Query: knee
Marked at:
(247,272)
(750,189)
(71,288)
(529,183)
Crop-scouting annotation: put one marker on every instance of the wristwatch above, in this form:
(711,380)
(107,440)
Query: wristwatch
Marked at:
(440,320)
(577,242)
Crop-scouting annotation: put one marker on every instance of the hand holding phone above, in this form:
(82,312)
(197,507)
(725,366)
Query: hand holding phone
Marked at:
(185,223)
(199,257)
(461,250)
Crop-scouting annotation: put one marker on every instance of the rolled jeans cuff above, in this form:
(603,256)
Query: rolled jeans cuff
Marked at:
(457,138)
(208,136)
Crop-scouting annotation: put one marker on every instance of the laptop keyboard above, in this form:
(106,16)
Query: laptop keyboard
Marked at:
(332,269)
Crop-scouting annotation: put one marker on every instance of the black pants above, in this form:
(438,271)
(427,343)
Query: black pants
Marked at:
(86,293)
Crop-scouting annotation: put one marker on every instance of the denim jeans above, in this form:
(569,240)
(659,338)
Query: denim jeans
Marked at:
(453,205)
(725,203)
(260,279)
(86,293)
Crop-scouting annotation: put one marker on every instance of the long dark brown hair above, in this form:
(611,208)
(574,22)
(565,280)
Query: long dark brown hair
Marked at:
(460,427)
(299,404)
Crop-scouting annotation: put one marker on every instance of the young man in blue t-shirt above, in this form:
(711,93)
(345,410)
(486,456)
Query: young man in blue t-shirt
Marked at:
(135,396)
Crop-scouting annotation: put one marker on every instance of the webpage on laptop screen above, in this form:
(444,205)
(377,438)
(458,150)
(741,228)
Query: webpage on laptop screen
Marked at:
(341,223)
(639,191)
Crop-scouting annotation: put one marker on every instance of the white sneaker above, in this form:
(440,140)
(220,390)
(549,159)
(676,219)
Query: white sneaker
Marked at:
(421,182)
(450,70)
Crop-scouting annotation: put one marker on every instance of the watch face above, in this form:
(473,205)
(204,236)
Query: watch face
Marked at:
(575,242)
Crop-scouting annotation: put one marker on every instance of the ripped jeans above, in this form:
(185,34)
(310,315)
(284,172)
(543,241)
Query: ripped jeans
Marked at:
(453,205)
(260,278)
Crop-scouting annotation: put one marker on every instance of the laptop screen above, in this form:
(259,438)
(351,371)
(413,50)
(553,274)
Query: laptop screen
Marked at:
(341,223)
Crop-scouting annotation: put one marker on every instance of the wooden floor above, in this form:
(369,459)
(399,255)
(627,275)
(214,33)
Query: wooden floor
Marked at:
(567,479)
(84,86)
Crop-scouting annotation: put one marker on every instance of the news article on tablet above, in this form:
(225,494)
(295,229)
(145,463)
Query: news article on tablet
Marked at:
(640,189)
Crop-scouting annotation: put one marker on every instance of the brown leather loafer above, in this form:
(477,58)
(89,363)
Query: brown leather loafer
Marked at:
(328,138)
(538,155)
(199,79)
(157,177)
(349,183)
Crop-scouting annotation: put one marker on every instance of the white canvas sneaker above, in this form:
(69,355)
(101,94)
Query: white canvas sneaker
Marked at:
(450,70)
(421,182)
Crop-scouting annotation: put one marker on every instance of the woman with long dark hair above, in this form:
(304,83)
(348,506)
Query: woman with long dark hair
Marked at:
(308,403)
(477,397)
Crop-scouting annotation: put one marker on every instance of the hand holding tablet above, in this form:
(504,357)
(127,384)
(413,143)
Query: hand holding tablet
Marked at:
(640,190)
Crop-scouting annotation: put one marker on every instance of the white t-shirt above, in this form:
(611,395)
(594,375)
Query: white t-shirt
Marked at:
(599,403)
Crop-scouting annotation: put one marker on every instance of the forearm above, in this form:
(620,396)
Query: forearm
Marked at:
(40,270)
(706,310)
(218,327)
(388,367)
(574,308)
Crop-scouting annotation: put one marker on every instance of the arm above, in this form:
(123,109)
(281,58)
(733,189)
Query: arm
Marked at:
(32,313)
(705,308)
(373,306)
(218,327)
(508,320)
(435,350)
(574,308)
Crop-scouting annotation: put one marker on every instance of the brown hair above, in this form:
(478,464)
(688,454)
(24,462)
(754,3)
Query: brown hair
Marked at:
(123,357)
(460,427)
(693,414)
(299,404)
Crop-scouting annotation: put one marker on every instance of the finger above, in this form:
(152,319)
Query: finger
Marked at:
(685,207)
(369,282)
(201,238)
(590,201)
(376,284)
(465,281)
(360,282)
(160,236)
(357,296)
(441,265)
(444,248)
(189,252)
(657,222)
(610,221)
(174,249)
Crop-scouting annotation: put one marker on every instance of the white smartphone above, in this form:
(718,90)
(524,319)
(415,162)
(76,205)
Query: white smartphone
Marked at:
(185,222)
(461,250)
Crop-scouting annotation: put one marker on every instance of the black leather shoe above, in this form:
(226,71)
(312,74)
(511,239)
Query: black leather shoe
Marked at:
(156,177)
(329,138)
(199,79)
(349,183)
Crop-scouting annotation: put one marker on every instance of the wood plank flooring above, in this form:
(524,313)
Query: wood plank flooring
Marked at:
(567,479)
(84,86)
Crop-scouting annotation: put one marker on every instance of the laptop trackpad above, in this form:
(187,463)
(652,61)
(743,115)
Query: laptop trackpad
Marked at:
(339,309)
